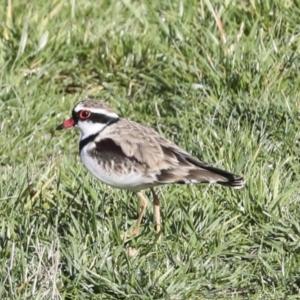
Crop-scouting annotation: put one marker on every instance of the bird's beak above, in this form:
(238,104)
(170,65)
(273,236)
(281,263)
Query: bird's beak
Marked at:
(66,124)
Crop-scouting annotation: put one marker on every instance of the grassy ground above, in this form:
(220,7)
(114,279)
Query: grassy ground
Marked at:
(219,78)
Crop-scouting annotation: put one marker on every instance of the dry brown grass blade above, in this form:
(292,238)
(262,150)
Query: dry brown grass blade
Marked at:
(218,21)
(8,19)
(45,185)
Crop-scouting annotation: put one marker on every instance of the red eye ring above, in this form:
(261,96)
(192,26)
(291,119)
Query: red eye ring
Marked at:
(84,114)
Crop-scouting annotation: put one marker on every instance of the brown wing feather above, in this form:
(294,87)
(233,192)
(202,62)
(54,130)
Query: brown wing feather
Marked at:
(162,159)
(192,170)
(139,141)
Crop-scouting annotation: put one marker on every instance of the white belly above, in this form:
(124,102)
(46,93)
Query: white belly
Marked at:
(129,180)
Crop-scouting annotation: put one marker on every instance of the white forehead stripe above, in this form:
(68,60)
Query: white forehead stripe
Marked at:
(96,111)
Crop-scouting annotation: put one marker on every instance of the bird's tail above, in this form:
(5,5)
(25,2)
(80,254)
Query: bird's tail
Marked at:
(210,174)
(187,169)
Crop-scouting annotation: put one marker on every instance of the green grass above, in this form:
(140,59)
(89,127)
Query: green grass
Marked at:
(221,79)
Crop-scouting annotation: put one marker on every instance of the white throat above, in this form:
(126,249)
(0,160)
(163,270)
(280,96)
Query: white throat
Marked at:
(88,128)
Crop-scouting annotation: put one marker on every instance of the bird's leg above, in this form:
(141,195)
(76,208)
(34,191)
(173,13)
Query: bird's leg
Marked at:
(141,214)
(156,211)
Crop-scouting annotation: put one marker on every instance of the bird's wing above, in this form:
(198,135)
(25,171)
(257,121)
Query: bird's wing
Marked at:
(161,158)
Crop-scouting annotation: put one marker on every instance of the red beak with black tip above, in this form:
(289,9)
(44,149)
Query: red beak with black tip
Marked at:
(66,124)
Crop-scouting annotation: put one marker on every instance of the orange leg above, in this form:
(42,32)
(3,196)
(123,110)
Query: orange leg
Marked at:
(156,211)
(144,203)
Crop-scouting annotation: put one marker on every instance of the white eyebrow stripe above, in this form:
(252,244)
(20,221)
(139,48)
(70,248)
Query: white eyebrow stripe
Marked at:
(97,111)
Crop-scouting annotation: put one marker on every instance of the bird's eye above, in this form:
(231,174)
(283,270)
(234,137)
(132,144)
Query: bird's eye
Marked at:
(84,114)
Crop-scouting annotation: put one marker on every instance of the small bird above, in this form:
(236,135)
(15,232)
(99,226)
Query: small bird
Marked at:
(131,156)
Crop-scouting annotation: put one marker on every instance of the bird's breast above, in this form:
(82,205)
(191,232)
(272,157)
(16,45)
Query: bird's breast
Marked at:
(116,173)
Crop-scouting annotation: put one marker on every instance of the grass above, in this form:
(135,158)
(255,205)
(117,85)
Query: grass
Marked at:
(221,79)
